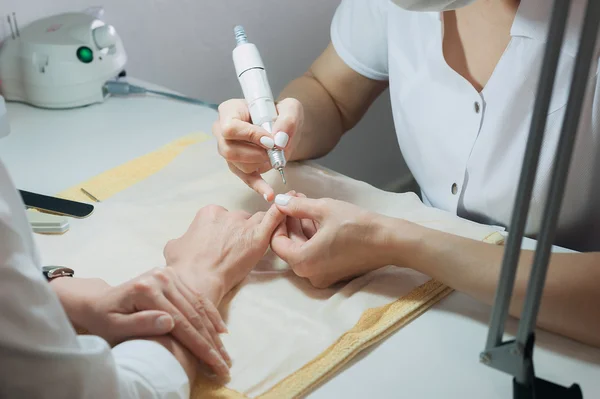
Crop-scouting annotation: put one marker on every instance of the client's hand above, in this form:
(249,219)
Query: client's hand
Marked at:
(153,304)
(220,248)
(327,241)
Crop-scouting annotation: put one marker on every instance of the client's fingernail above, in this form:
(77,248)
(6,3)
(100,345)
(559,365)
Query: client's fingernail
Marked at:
(267,141)
(219,362)
(265,197)
(223,327)
(226,356)
(281,139)
(222,367)
(164,322)
(214,354)
(282,199)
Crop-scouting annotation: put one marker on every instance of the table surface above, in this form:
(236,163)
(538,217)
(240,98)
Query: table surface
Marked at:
(435,356)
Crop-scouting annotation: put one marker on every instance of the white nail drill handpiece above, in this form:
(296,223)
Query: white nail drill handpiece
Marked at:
(257,91)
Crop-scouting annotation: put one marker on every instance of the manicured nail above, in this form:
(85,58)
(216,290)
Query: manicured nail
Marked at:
(281,139)
(267,141)
(221,366)
(214,354)
(164,322)
(282,199)
(223,327)
(265,197)
(226,356)
(220,363)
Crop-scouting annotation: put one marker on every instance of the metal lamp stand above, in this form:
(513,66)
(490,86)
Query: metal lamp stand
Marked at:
(515,357)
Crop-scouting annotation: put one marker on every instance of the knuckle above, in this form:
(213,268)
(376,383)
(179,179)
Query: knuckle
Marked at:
(240,214)
(216,128)
(319,282)
(247,168)
(211,211)
(196,321)
(228,129)
(169,249)
(287,121)
(226,105)
(296,104)
(253,136)
(143,287)
(302,269)
(263,168)
(179,321)
(227,151)
(233,168)
(198,304)
(220,148)
(161,275)
(213,208)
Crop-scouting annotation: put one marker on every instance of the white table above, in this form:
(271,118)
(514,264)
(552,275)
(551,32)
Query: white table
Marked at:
(436,356)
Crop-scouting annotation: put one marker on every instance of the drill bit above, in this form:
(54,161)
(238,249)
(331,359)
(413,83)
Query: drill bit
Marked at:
(282,175)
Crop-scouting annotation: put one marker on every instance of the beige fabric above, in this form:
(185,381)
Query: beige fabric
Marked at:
(285,336)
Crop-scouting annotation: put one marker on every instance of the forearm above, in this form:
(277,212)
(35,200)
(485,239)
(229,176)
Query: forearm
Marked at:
(570,303)
(322,127)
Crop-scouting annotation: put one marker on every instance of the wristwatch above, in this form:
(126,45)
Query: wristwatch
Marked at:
(52,272)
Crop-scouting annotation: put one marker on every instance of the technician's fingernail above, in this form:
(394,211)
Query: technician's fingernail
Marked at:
(164,322)
(282,199)
(281,139)
(267,142)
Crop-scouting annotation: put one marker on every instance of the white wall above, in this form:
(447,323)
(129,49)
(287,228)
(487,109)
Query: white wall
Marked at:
(186,45)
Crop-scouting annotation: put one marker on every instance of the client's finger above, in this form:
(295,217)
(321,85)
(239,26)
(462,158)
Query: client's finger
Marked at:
(309,227)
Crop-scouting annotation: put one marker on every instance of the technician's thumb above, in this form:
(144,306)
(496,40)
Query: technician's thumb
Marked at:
(300,208)
(146,323)
(286,125)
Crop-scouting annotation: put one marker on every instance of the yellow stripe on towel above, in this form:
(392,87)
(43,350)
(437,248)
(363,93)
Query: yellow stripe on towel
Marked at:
(109,183)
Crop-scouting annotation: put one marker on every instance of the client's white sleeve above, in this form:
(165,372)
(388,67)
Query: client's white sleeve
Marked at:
(40,354)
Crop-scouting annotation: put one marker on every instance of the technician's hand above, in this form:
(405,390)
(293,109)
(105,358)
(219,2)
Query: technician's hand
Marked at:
(244,145)
(326,240)
(153,304)
(220,248)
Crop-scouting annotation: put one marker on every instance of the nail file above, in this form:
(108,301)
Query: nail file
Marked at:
(56,205)
(47,224)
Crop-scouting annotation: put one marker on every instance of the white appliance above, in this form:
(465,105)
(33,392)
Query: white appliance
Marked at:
(61,61)
(4,126)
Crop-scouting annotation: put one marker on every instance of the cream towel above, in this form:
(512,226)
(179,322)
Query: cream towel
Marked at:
(285,336)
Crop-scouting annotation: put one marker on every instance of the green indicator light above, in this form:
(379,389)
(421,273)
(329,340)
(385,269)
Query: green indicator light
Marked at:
(85,55)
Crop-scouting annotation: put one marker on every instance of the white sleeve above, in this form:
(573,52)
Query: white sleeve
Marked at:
(40,354)
(359,36)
